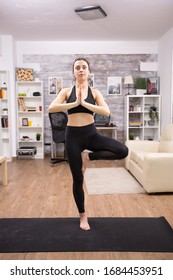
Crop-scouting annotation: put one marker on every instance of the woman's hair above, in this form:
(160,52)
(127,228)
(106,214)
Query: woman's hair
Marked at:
(84,59)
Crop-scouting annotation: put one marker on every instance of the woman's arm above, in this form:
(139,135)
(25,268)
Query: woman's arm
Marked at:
(59,105)
(100,108)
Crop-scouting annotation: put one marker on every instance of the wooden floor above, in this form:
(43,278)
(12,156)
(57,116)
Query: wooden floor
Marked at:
(36,189)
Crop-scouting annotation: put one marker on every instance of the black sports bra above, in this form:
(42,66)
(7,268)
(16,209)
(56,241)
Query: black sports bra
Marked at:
(80,108)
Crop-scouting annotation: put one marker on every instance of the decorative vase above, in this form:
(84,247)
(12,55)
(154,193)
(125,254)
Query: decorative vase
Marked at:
(151,123)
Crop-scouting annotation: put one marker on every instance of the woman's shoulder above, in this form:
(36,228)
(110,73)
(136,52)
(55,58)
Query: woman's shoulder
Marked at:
(66,91)
(95,92)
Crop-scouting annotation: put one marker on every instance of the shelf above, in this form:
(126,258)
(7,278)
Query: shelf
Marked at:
(29,112)
(29,82)
(30,141)
(135,127)
(137,111)
(33,120)
(5,130)
(3,99)
(29,127)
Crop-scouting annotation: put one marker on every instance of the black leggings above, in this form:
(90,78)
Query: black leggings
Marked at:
(86,137)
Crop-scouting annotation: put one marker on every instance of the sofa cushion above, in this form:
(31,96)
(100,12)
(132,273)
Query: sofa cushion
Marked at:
(165,147)
(141,159)
(134,156)
(138,157)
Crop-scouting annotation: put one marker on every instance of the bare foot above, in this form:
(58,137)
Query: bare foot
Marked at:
(85,159)
(84,225)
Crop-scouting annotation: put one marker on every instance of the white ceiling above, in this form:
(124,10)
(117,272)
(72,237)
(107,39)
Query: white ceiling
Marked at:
(51,20)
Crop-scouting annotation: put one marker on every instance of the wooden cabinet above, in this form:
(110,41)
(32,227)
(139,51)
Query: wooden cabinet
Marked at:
(5,132)
(30,116)
(138,124)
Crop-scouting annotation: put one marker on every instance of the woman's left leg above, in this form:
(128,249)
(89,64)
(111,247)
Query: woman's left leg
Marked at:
(106,148)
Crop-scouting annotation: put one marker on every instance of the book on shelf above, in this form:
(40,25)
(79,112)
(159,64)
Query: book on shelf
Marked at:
(4,121)
(137,124)
(31,108)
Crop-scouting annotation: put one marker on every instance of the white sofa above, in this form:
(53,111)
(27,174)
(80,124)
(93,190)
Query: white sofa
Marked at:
(151,162)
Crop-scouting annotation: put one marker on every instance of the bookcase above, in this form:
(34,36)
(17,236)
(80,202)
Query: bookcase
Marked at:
(137,120)
(5,132)
(30,116)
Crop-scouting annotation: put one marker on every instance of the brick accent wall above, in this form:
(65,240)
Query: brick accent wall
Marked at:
(103,66)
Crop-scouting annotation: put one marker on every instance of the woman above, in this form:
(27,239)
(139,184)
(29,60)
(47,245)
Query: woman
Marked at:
(81,102)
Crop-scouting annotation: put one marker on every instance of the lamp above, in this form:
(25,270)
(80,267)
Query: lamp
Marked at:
(128,80)
(90,12)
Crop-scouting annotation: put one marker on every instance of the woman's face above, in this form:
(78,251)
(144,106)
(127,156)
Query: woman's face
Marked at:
(81,70)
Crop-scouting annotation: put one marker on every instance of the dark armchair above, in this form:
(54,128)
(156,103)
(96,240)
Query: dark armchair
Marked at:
(58,121)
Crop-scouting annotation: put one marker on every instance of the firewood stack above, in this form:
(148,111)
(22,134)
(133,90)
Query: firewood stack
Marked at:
(24,74)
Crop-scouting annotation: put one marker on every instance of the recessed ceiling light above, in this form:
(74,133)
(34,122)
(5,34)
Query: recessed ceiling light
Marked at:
(90,12)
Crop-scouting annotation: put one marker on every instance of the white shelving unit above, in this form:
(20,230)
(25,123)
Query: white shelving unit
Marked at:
(5,133)
(30,116)
(138,123)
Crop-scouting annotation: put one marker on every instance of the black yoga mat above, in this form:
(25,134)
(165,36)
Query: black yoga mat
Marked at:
(106,234)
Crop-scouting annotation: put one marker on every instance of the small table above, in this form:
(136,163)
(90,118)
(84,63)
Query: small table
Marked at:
(113,129)
(3,162)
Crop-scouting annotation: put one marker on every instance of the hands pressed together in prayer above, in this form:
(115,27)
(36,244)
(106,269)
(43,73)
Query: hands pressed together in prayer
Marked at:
(81,96)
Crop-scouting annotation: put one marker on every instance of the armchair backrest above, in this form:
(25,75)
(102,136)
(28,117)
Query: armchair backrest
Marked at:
(166,140)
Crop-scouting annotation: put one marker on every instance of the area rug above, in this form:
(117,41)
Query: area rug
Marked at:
(111,181)
(106,234)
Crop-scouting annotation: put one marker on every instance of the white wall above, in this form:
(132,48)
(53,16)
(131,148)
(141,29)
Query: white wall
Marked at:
(7,63)
(165,48)
(84,47)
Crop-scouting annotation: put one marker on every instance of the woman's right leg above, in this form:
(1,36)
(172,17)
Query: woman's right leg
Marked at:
(75,163)
(74,155)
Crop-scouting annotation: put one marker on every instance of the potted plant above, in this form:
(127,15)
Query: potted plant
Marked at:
(141,86)
(131,136)
(153,114)
(38,136)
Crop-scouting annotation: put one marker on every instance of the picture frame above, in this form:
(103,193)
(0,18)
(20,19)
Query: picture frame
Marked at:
(55,85)
(24,121)
(153,85)
(91,80)
(114,85)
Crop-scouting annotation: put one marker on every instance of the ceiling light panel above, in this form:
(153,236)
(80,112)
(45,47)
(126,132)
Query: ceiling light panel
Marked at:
(90,12)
